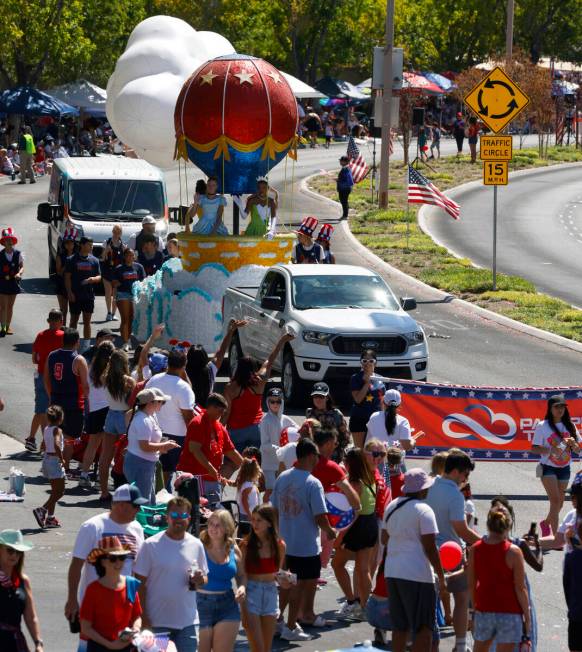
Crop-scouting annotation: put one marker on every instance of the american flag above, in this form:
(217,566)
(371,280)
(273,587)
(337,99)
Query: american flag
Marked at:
(422,191)
(357,165)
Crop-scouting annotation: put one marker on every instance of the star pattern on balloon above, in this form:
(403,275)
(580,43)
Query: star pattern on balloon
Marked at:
(274,76)
(207,78)
(245,76)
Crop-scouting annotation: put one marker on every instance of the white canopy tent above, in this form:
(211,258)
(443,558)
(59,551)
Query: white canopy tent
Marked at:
(88,97)
(300,89)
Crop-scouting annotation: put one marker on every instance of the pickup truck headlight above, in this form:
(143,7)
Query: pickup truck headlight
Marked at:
(416,337)
(317,337)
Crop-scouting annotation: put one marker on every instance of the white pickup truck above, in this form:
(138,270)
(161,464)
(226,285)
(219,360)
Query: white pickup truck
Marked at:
(335,311)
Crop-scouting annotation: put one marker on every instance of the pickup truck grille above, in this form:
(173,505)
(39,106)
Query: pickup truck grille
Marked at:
(390,345)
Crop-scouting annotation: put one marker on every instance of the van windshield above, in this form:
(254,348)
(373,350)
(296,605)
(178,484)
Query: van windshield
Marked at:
(126,199)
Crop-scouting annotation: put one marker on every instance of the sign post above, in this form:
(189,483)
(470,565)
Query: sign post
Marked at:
(496,100)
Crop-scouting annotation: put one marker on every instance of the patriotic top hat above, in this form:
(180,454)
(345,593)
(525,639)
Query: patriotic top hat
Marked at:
(325,233)
(71,234)
(308,226)
(8,234)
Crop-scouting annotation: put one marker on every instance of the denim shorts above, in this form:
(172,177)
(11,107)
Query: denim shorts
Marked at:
(51,468)
(505,628)
(124,296)
(243,437)
(378,613)
(41,399)
(115,422)
(214,608)
(562,473)
(262,598)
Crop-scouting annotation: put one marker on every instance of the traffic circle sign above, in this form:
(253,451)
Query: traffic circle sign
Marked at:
(496,148)
(496,100)
(495,173)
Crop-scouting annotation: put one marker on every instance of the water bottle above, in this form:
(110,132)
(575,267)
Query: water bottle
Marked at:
(193,570)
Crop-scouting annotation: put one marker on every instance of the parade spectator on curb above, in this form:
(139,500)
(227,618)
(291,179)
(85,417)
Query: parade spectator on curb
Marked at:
(331,418)
(111,257)
(171,565)
(111,604)
(313,124)
(16,601)
(174,415)
(496,575)
(144,442)
(270,427)
(435,142)
(448,505)
(119,522)
(45,342)
(207,444)
(459,132)
(148,227)
(367,396)
(6,164)
(27,150)
(218,604)
(244,396)
(11,270)
(300,502)
(409,531)
(66,383)
(344,185)
(66,250)
(201,370)
(82,273)
(555,439)
(473,137)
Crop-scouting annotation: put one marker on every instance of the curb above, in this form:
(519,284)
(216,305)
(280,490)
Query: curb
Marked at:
(467,305)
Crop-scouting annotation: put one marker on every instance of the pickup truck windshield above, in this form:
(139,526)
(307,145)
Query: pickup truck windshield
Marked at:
(342,292)
(126,199)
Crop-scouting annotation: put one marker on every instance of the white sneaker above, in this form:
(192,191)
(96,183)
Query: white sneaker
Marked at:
(84,481)
(346,611)
(358,612)
(296,634)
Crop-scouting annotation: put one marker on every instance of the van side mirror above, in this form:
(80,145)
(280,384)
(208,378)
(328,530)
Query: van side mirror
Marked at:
(408,303)
(272,303)
(44,213)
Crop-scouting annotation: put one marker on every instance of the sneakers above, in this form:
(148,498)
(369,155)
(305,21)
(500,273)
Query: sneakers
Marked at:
(358,612)
(296,634)
(84,481)
(52,522)
(109,317)
(40,514)
(30,445)
(347,611)
(73,474)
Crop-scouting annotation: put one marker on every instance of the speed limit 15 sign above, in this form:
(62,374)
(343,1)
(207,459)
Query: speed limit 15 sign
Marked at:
(495,173)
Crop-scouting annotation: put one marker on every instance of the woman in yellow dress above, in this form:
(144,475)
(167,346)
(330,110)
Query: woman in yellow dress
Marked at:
(263,211)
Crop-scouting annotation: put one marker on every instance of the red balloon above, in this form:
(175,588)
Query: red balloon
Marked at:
(451,554)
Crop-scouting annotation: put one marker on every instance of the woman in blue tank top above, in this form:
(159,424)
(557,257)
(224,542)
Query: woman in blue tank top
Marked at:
(218,604)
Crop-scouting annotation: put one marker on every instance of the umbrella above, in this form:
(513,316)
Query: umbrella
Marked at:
(300,89)
(25,100)
(440,80)
(83,94)
(418,83)
(338,88)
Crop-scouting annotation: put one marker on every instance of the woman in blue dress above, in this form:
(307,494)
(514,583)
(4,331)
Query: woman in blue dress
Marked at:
(212,205)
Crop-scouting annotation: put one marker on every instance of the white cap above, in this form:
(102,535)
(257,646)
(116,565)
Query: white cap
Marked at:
(148,219)
(392,397)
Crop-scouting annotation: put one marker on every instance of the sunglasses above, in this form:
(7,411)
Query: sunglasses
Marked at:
(275,400)
(364,360)
(376,454)
(182,515)
(114,558)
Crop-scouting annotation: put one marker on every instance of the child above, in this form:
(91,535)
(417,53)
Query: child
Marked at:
(437,463)
(469,506)
(247,492)
(328,133)
(11,270)
(394,462)
(344,185)
(53,467)
(305,250)
(324,239)
(172,249)
(149,257)
(67,249)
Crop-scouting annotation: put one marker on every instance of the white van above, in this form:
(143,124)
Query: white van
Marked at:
(93,194)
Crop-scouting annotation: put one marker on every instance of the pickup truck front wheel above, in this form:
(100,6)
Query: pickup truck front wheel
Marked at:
(293,386)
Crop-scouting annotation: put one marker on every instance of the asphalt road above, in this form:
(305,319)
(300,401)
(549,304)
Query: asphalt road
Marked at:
(465,348)
(539,229)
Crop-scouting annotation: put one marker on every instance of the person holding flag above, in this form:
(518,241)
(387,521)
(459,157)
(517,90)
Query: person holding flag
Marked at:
(344,185)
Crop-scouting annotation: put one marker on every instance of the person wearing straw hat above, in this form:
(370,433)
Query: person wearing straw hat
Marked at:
(324,239)
(305,250)
(16,600)
(110,612)
(11,269)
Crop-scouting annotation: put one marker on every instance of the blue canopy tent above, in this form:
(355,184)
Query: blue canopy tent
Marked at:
(28,101)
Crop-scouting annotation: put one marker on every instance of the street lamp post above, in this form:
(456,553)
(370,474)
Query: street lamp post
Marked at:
(386,106)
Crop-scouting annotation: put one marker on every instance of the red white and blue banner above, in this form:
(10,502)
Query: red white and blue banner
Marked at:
(489,423)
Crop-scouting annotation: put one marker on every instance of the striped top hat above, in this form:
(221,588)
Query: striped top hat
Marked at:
(71,234)
(308,226)
(325,233)
(8,234)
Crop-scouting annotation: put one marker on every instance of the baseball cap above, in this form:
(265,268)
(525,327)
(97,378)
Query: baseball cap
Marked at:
(151,394)
(148,219)
(392,397)
(105,332)
(275,392)
(557,399)
(128,493)
(416,480)
(320,389)
(158,362)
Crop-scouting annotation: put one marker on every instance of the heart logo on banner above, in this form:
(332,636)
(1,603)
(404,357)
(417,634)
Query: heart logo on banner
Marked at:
(478,430)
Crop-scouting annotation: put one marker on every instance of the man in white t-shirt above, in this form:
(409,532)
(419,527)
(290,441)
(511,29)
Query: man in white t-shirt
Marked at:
(176,414)
(170,566)
(119,522)
(409,529)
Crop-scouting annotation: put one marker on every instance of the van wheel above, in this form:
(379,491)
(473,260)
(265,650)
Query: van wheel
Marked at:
(234,354)
(293,386)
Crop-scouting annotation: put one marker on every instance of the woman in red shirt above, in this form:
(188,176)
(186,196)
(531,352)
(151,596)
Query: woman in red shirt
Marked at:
(498,591)
(111,603)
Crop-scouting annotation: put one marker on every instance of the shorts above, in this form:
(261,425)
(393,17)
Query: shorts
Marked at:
(362,534)
(359,424)
(51,468)
(214,608)
(306,568)
(262,598)
(270,477)
(95,421)
(243,437)
(115,422)
(124,296)
(504,628)
(378,613)
(73,423)
(574,634)
(412,604)
(82,305)
(169,460)
(562,473)
(41,399)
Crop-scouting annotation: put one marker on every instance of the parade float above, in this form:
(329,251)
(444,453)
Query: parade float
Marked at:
(235,118)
